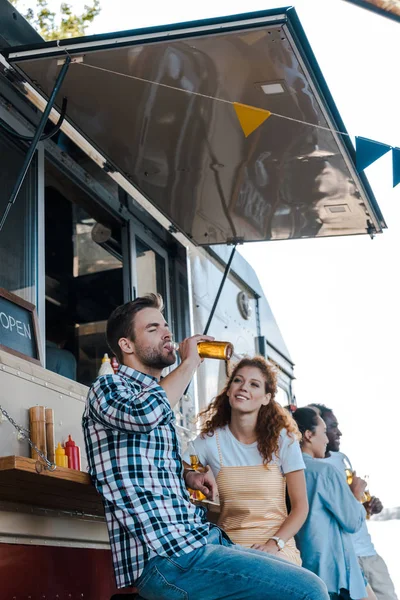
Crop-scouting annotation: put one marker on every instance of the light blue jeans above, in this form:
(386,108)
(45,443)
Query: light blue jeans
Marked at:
(222,570)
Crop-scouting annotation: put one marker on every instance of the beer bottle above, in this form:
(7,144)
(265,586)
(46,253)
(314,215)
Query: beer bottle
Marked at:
(217,350)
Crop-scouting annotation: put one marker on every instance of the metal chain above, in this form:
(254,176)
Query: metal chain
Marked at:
(24,433)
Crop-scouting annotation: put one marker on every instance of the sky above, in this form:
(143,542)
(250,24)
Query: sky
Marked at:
(336,300)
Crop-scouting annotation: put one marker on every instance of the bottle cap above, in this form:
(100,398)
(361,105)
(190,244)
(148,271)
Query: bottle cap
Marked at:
(70,442)
(105,358)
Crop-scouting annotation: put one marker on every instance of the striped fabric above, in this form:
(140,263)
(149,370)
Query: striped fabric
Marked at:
(253,505)
(134,460)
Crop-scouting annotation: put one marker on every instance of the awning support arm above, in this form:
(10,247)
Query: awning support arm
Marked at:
(226,273)
(28,138)
(221,285)
(35,140)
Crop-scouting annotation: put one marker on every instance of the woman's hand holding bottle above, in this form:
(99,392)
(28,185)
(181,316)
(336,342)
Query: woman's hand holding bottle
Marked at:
(358,486)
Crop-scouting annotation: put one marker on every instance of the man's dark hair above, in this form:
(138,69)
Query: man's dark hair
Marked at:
(121,323)
(323,410)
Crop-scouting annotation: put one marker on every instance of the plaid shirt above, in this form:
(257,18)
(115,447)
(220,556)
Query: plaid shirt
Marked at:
(134,460)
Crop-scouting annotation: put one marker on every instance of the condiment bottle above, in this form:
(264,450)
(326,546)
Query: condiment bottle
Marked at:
(50,433)
(37,429)
(106,368)
(72,451)
(114,364)
(60,456)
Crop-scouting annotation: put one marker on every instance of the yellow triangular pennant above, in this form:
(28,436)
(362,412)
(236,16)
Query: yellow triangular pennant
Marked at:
(250,117)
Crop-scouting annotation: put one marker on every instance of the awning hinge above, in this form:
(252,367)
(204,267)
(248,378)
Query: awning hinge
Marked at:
(235,241)
(73,60)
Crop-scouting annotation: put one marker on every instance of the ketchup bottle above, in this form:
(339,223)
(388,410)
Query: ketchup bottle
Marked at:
(73,453)
(114,364)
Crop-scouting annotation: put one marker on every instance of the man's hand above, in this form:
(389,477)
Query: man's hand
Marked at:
(374,506)
(188,348)
(204,482)
(175,383)
(271,547)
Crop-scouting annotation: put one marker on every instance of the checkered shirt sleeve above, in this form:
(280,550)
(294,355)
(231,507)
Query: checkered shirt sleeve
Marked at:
(134,460)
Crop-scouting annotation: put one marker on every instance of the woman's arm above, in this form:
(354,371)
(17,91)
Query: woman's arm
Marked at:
(339,500)
(297,491)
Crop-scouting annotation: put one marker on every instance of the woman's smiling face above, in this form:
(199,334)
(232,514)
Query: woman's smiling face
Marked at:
(247,391)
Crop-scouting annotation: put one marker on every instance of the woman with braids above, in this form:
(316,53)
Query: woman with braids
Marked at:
(251,445)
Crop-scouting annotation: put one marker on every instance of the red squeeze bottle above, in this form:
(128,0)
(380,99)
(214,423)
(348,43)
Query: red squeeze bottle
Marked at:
(114,364)
(73,453)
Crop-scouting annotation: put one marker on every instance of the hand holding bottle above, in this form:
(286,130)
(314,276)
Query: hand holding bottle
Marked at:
(188,348)
(358,486)
(203,482)
(374,506)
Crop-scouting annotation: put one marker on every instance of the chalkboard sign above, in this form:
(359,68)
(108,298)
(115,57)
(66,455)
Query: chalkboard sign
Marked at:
(19,331)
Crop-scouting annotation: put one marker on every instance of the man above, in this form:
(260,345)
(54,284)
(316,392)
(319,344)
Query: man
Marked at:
(160,541)
(373,565)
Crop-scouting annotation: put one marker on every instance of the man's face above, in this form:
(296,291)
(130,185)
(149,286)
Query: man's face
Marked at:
(152,343)
(333,432)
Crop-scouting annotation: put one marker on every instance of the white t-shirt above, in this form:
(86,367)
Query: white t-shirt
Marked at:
(237,454)
(362,542)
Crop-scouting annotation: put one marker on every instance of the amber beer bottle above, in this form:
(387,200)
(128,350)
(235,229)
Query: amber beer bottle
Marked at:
(218,350)
(195,464)
(367,495)
(349,476)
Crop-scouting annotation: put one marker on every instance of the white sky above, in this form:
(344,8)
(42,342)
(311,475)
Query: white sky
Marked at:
(336,300)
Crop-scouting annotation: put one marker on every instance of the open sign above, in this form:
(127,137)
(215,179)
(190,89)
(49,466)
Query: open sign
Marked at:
(19,331)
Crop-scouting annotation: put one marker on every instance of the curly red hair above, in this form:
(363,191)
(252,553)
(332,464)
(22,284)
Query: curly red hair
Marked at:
(271,418)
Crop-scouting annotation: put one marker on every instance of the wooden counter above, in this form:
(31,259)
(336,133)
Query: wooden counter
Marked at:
(61,489)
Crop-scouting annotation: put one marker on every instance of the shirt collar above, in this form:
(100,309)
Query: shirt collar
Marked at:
(307,456)
(133,374)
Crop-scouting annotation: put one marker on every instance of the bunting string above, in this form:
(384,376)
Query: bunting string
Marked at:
(252,117)
(214,98)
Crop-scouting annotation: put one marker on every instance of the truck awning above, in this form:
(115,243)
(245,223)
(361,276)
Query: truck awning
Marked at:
(385,8)
(160,104)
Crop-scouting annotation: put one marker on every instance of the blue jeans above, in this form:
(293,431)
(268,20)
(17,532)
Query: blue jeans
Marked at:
(220,569)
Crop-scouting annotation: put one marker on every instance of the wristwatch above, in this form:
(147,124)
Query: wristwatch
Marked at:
(279,542)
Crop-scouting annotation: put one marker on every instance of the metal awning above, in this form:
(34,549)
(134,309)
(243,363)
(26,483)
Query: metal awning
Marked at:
(385,8)
(158,105)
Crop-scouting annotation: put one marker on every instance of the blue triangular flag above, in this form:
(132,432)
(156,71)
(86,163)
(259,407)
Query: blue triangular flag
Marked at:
(396,165)
(368,151)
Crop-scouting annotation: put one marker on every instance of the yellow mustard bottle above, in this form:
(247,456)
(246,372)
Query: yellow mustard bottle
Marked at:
(61,456)
(105,367)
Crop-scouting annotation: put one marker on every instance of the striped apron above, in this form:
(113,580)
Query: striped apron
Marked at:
(253,507)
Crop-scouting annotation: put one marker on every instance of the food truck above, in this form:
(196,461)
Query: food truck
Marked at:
(138,162)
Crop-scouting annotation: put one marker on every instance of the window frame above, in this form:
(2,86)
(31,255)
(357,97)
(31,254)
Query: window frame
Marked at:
(16,122)
(138,231)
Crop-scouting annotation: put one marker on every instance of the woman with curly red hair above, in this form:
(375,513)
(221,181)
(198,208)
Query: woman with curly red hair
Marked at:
(251,444)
